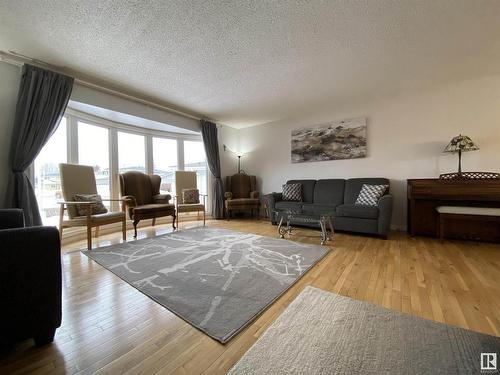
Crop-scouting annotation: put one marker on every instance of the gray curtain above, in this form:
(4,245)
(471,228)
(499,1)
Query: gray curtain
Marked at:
(209,134)
(42,99)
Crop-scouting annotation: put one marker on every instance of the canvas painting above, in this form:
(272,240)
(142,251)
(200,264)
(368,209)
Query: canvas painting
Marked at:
(344,139)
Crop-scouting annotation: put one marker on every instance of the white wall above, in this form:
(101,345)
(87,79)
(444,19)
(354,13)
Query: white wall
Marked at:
(9,84)
(406,136)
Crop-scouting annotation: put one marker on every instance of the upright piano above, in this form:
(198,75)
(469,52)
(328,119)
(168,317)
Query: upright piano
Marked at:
(424,195)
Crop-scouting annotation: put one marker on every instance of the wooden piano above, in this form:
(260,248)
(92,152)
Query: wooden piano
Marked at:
(424,195)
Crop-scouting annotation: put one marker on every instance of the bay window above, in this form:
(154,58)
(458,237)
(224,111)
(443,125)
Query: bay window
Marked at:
(112,148)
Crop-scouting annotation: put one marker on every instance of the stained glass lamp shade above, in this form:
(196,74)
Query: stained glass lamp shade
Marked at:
(460,143)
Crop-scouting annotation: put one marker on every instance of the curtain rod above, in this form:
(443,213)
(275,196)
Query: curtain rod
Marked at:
(18,59)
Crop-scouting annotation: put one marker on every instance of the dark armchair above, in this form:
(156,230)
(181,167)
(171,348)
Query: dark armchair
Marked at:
(142,198)
(30,280)
(241,194)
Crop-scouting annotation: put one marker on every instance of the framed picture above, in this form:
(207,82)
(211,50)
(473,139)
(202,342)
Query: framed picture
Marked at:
(335,140)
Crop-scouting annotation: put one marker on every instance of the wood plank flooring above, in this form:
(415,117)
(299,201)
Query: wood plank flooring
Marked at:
(110,328)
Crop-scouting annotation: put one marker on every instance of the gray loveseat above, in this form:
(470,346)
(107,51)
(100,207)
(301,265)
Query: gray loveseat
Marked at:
(338,196)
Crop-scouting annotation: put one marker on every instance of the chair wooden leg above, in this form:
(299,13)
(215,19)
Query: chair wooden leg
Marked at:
(204,215)
(135,228)
(124,229)
(154,222)
(173,221)
(89,237)
(97,231)
(61,218)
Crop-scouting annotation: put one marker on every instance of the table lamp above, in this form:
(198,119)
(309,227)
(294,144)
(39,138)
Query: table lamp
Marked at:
(460,143)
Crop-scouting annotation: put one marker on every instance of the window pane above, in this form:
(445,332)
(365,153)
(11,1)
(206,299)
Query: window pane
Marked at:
(131,153)
(93,149)
(194,160)
(165,162)
(47,181)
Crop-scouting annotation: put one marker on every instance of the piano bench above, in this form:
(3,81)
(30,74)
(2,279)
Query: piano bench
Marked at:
(481,214)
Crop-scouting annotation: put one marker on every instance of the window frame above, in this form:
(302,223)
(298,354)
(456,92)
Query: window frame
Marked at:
(73,117)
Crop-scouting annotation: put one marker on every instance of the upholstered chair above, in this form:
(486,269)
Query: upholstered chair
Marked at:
(79,180)
(185,181)
(241,194)
(30,281)
(142,198)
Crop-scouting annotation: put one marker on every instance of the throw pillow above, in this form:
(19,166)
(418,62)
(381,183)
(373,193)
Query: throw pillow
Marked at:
(95,208)
(292,192)
(190,196)
(370,194)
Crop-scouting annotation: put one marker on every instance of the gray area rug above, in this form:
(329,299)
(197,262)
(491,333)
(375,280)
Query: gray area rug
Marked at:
(217,280)
(324,333)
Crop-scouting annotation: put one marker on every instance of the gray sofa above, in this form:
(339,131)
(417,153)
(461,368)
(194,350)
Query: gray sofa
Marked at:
(337,196)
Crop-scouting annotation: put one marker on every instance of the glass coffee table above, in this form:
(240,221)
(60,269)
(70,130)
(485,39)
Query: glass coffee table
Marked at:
(286,217)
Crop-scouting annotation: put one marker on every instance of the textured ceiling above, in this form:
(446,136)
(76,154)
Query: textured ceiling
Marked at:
(252,62)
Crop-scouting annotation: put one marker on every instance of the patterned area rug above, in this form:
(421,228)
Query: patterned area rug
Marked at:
(217,280)
(324,333)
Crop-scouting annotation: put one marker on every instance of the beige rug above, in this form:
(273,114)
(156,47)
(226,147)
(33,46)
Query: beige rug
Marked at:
(324,333)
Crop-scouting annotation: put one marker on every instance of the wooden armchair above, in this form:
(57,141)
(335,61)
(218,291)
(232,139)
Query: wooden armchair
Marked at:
(187,180)
(80,180)
(141,193)
(241,194)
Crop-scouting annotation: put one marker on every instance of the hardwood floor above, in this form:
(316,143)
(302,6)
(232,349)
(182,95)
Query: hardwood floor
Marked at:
(109,327)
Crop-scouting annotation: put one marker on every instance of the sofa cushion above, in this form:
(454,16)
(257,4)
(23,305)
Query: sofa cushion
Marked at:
(353,187)
(362,212)
(292,192)
(284,205)
(307,189)
(329,191)
(370,194)
(319,209)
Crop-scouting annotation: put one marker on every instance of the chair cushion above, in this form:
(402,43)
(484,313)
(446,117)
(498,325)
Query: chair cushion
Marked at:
(190,196)
(95,208)
(284,205)
(370,194)
(150,208)
(107,217)
(292,192)
(190,207)
(358,211)
(321,209)
(240,202)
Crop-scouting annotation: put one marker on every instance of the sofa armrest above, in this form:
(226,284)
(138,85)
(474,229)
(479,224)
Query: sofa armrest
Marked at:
(11,218)
(162,198)
(228,195)
(254,195)
(385,214)
(31,282)
(270,200)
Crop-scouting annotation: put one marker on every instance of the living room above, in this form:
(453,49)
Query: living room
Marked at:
(250,187)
